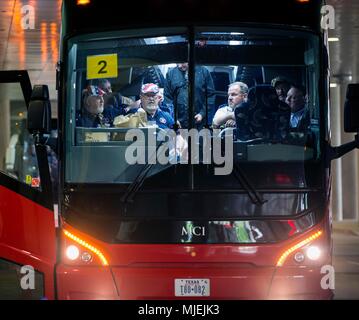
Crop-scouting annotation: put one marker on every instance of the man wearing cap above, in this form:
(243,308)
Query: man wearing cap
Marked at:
(176,93)
(92,115)
(237,93)
(150,99)
(281,86)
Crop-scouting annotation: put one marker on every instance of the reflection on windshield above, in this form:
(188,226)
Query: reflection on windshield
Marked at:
(254,93)
(212,231)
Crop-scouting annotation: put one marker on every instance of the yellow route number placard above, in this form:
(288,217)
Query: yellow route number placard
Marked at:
(104,66)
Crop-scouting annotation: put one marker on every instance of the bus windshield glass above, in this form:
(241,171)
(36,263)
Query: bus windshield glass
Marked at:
(195,105)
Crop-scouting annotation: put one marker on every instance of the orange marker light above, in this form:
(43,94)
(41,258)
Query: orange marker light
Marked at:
(87,246)
(303,1)
(297,246)
(83,2)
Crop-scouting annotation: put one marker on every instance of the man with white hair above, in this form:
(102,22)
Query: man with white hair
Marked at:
(224,117)
(150,98)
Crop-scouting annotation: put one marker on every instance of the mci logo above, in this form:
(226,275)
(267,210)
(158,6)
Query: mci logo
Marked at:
(190,230)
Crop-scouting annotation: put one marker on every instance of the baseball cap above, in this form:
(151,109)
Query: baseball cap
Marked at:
(150,88)
(279,80)
(93,91)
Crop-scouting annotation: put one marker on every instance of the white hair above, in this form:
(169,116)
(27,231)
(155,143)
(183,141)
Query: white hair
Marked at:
(242,86)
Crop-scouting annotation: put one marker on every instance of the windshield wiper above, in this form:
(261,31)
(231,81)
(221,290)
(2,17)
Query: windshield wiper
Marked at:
(139,180)
(253,194)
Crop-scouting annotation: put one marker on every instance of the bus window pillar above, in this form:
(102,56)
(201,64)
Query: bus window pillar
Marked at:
(4,125)
(336,120)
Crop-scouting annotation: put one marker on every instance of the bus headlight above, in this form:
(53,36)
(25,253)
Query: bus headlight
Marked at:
(313,253)
(72,252)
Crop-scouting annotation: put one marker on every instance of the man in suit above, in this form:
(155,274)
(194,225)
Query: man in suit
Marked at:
(297,101)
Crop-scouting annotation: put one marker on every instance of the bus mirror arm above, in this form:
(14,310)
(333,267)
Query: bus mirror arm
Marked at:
(338,152)
(43,164)
(49,141)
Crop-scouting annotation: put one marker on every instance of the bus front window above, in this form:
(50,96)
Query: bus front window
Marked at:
(260,86)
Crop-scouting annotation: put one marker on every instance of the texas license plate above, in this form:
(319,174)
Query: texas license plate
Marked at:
(192,287)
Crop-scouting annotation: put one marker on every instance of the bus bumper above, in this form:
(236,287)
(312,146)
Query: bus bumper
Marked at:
(148,282)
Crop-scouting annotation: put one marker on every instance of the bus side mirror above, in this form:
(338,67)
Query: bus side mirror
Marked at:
(351,109)
(351,122)
(39,111)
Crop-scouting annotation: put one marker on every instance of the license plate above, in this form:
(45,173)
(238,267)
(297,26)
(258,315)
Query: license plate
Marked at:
(192,287)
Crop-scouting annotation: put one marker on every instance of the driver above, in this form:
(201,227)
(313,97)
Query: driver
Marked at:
(237,93)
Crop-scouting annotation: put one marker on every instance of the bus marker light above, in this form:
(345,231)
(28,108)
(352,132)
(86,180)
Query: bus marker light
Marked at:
(88,246)
(313,253)
(86,257)
(72,252)
(299,257)
(297,246)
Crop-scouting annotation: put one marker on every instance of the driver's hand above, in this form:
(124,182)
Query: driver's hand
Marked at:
(135,104)
(230,123)
(198,118)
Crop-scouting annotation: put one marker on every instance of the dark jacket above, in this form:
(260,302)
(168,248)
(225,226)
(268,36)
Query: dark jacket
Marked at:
(176,93)
(89,120)
(167,107)
(262,116)
(304,122)
(162,119)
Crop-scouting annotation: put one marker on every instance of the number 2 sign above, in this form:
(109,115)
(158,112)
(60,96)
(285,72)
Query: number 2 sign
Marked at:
(103,66)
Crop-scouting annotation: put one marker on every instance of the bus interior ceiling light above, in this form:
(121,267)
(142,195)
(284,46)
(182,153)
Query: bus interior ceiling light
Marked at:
(297,246)
(83,2)
(88,246)
(333,39)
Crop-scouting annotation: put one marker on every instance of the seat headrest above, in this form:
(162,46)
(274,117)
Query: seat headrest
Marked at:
(264,96)
(263,115)
(40,92)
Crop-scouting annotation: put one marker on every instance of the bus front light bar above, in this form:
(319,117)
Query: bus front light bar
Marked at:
(85,245)
(298,246)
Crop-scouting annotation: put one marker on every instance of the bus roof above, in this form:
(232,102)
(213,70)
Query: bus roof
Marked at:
(102,15)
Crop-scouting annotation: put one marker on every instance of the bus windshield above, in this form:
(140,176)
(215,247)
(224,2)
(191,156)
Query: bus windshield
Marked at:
(247,98)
